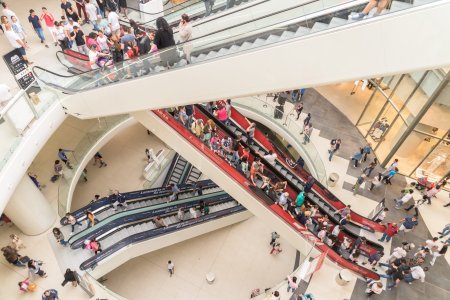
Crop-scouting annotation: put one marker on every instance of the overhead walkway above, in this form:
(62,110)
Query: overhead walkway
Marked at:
(253,198)
(316,48)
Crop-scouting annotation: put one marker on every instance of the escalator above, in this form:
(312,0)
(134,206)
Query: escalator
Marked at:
(103,208)
(320,195)
(181,171)
(136,227)
(238,186)
(270,50)
(195,9)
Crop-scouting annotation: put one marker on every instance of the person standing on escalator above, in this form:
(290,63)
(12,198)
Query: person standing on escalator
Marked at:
(165,42)
(208,6)
(230,3)
(185,32)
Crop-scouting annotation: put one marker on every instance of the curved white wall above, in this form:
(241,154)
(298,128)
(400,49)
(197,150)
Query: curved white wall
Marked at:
(32,142)
(91,152)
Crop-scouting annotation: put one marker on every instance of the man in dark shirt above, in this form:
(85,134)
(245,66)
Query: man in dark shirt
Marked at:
(65,5)
(78,36)
(37,26)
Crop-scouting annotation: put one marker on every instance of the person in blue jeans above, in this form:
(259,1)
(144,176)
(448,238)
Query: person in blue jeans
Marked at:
(208,6)
(37,26)
(445,231)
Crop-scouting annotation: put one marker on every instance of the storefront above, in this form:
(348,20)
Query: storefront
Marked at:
(408,117)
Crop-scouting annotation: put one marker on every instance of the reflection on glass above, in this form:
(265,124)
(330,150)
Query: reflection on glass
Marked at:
(389,138)
(437,164)
(413,150)
(381,126)
(371,112)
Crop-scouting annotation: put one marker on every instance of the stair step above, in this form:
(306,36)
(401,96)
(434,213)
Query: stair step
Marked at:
(245,46)
(319,26)
(398,5)
(302,31)
(272,39)
(286,35)
(335,22)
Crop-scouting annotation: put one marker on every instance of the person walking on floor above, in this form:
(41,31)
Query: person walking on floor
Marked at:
(407,195)
(171,268)
(292,283)
(273,238)
(99,158)
(51,294)
(389,232)
(306,122)
(359,182)
(63,157)
(307,133)
(356,158)
(445,231)
(387,178)
(369,169)
(366,151)
(37,26)
(49,20)
(393,166)
(335,144)
(70,276)
(299,109)
(416,205)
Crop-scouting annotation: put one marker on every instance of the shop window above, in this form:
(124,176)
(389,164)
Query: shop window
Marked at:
(389,138)
(437,164)
(380,128)
(370,114)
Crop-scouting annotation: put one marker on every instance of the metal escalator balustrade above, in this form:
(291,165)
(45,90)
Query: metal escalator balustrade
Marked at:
(107,213)
(137,215)
(217,45)
(321,193)
(135,235)
(142,195)
(238,178)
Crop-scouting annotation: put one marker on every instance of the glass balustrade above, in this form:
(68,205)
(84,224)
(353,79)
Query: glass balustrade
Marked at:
(296,22)
(291,126)
(17,116)
(90,137)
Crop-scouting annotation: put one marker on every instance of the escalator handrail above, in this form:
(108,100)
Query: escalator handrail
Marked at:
(59,53)
(292,188)
(171,168)
(106,202)
(235,176)
(122,218)
(140,237)
(324,193)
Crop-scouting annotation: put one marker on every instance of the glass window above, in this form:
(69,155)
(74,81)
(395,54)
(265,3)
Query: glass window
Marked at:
(389,138)
(437,164)
(373,109)
(403,91)
(378,132)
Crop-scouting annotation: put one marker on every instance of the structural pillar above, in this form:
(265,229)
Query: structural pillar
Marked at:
(29,210)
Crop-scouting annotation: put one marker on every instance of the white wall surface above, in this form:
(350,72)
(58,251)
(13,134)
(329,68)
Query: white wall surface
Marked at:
(400,42)
(32,142)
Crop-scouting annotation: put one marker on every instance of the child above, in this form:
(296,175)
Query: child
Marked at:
(171,267)
(16,242)
(276,248)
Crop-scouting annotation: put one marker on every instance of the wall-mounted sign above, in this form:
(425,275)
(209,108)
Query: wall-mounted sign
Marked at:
(19,69)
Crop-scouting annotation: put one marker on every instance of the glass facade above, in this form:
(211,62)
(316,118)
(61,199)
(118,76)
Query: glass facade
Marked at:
(408,117)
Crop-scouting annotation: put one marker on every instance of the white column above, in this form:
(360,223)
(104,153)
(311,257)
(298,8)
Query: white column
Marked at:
(29,209)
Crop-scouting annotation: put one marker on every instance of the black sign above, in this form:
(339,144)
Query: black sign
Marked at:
(19,68)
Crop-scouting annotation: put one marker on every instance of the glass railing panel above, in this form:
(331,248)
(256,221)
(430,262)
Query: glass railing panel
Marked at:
(244,37)
(154,169)
(91,135)
(100,291)
(18,114)
(267,107)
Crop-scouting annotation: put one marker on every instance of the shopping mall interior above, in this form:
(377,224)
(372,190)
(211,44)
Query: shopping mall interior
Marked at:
(209,170)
